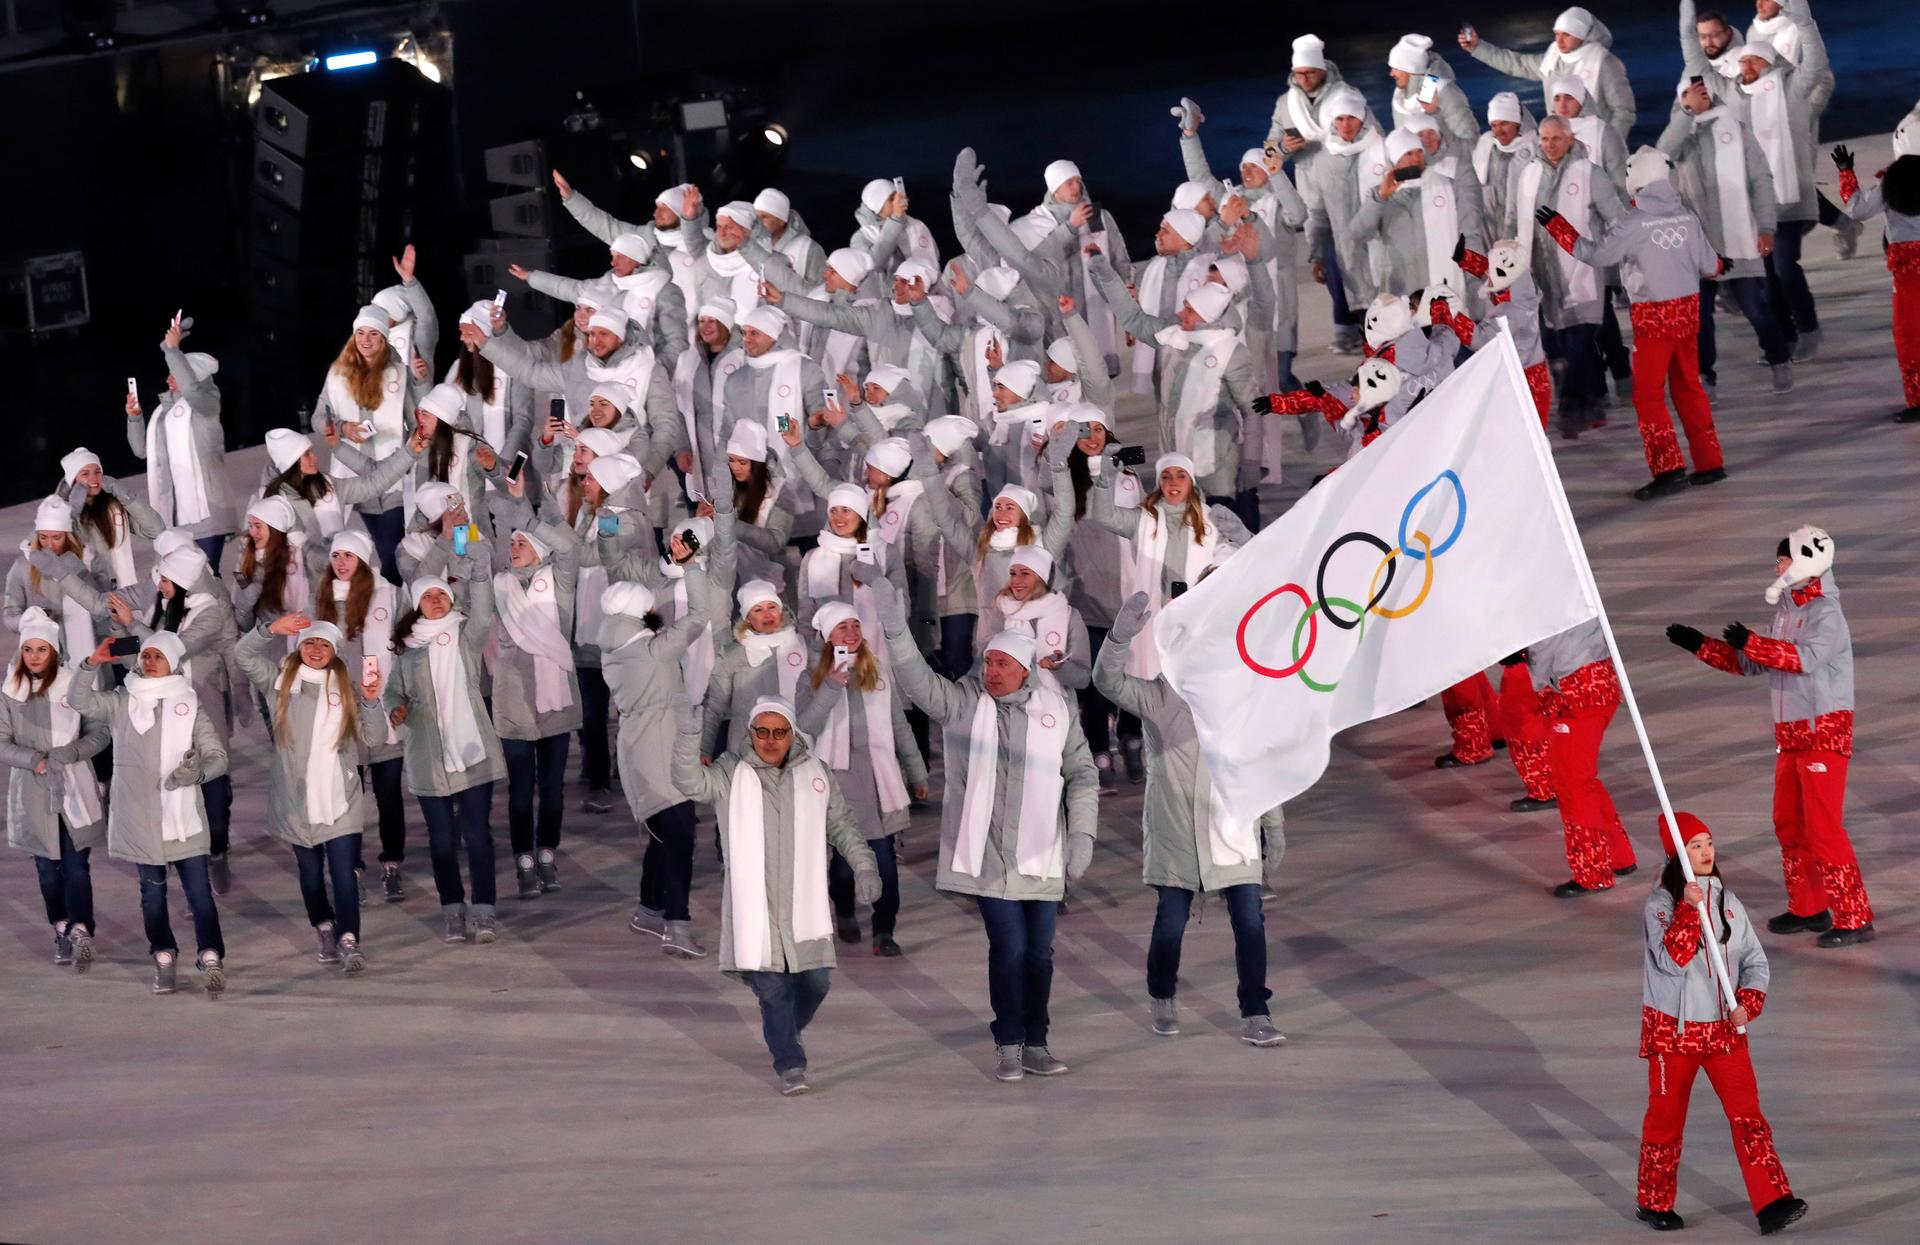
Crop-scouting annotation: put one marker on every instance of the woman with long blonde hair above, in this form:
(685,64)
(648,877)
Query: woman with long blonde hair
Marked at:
(1171,539)
(322,716)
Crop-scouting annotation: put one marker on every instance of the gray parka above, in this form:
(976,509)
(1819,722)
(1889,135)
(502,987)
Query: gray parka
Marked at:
(857,783)
(411,687)
(260,655)
(1696,148)
(1611,99)
(1557,309)
(35,813)
(133,813)
(1400,222)
(642,669)
(202,400)
(514,712)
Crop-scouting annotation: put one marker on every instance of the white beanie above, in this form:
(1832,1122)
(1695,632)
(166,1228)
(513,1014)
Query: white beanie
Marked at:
(892,456)
(1187,195)
(1083,413)
(1015,644)
(356,542)
(853,266)
(850,497)
(773,704)
(393,301)
(597,294)
(446,401)
(1210,301)
(949,432)
(417,588)
(79,460)
(888,378)
(634,246)
(920,270)
(718,309)
(873,195)
(1344,101)
(375,318)
(740,212)
(673,197)
(831,614)
(614,472)
(1254,156)
(181,567)
(1762,49)
(1025,498)
(172,540)
(1411,54)
(276,512)
(754,591)
(433,498)
(1170,460)
(321,629)
(1191,226)
(36,624)
(610,319)
(1420,123)
(748,440)
(1034,558)
(601,441)
(286,447)
(627,598)
(480,316)
(1400,143)
(1569,85)
(774,204)
(1575,21)
(1645,167)
(699,527)
(1233,271)
(1020,376)
(53,515)
(203,364)
(615,393)
(1309,52)
(767,319)
(1062,356)
(168,645)
(1059,173)
(1504,106)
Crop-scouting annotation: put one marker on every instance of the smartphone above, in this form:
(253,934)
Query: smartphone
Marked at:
(557,409)
(327,428)
(124,646)
(519,465)
(1429,89)
(1094,211)
(691,540)
(1408,175)
(1131,456)
(366,427)
(785,424)
(133,388)
(1696,80)
(830,396)
(863,553)
(499,300)
(1176,589)
(1271,147)
(369,669)
(899,186)
(460,541)
(842,657)
(1291,133)
(1037,426)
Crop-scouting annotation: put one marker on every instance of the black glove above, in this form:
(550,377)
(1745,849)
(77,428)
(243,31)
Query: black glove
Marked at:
(1263,404)
(1686,637)
(1460,248)
(1315,388)
(1514,659)
(1736,634)
(1842,159)
(1544,214)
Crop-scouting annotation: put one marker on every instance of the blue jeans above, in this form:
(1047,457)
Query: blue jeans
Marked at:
(388,529)
(1343,315)
(462,814)
(596,761)
(385,779)
(666,867)
(1249,944)
(886,909)
(535,766)
(956,644)
(1751,294)
(217,793)
(1581,385)
(197,883)
(66,884)
(1095,708)
(1019,967)
(337,857)
(1787,283)
(787,1004)
(213,547)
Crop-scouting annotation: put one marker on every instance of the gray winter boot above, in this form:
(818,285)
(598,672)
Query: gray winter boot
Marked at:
(1259,1031)
(62,947)
(648,921)
(351,960)
(1036,1060)
(485,927)
(529,880)
(1166,1019)
(329,952)
(1007,1065)
(681,942)
(456,915)
(82,948)
(164,976)
(216,974)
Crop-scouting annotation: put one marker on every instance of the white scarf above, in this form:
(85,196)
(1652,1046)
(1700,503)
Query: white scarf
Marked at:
(1440,221)
(744,826)
(1145,565)
(788,654)
(326,784)
(822,569)
(1047,619)
(640,290)
(979,375)
(901,497)
(531,615)
(1591,132)
(591,582)
(835,744)
(783,387)
(741,281)
(1484,148)
(1722,134)
(388,419)
(1206,354)
(120,556)
(79,787)
(1305,115)
(180,492)
(376,630)
(196,602)
(1037,834)
(1782,32)
(636,370)
(1573,199)
(76,622)
(1153,284)
(453,708)
(1584,62)
(1772,122)
(696,663)
(172,700)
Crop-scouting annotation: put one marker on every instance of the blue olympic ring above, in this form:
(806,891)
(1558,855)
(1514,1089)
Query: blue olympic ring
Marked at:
(1459,520)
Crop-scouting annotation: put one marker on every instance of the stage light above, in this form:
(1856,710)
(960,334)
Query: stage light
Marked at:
(639,161)
(352,60)
(428,70)
(775,134)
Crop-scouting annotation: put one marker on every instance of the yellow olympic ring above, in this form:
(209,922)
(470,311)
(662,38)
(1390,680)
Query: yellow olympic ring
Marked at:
(1426,585)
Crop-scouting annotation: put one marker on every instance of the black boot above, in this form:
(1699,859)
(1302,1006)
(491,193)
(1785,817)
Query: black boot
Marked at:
(1660,1220)
(1446,760)
(847,925)
(1787,923)
(1700,479)
(1909,416)
(1570,888)
(1778,1213)
(1527,804)
(1847,937)
(1661,485)
(1621,873)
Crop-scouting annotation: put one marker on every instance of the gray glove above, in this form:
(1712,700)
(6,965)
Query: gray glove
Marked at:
(1060,446)
(866,886)
(1188,114)
(1131,620)
(863,573)
(185,774)
(891,606)
(1079,855)
(925,464)
(969,182)
(56,565)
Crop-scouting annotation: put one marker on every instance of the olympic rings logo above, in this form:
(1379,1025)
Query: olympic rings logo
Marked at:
(1321,605)
(1668,238)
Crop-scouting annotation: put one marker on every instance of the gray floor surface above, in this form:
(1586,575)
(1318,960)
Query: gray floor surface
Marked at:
(1461,1057)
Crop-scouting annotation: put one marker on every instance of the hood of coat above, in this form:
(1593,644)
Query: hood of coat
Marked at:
(1658,199)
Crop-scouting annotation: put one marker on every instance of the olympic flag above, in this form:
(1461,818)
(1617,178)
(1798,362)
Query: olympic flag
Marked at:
(1439,549)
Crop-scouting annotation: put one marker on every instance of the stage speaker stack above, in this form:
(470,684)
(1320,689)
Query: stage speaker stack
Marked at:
(523,225)
(348,167)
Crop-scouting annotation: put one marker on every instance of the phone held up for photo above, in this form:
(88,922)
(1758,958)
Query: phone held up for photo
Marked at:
(1131,456)
(1408,174)
(519,465)
(124,646)
(1429,89)
(842,657)
(557,410)
(1176,589)
(784,424)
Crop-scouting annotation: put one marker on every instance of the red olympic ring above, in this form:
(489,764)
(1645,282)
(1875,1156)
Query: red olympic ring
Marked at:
(1313,634)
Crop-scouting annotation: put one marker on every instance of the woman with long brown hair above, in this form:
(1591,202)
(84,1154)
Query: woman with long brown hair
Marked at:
(322,717)
(498,410)
(278,565)
(1169,540)
(762,524)
(51,575)
(321,501)
(106,518)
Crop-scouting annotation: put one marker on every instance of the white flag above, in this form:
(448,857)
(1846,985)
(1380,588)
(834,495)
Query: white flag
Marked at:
(1439,549)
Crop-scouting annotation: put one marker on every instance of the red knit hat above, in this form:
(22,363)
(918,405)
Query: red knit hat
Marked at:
(1689,826)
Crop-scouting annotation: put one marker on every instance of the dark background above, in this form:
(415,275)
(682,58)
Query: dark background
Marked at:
(130,157)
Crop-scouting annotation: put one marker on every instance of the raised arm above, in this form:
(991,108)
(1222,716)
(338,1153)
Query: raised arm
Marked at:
(938,696)
(700,783)
(1127,311)
(253,654)
(509,352)
(1143,698)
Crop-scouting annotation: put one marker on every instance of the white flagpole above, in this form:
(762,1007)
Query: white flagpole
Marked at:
(1716,955)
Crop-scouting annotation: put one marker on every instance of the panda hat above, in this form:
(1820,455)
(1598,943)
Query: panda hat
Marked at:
(1809,551)
(1507,262)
